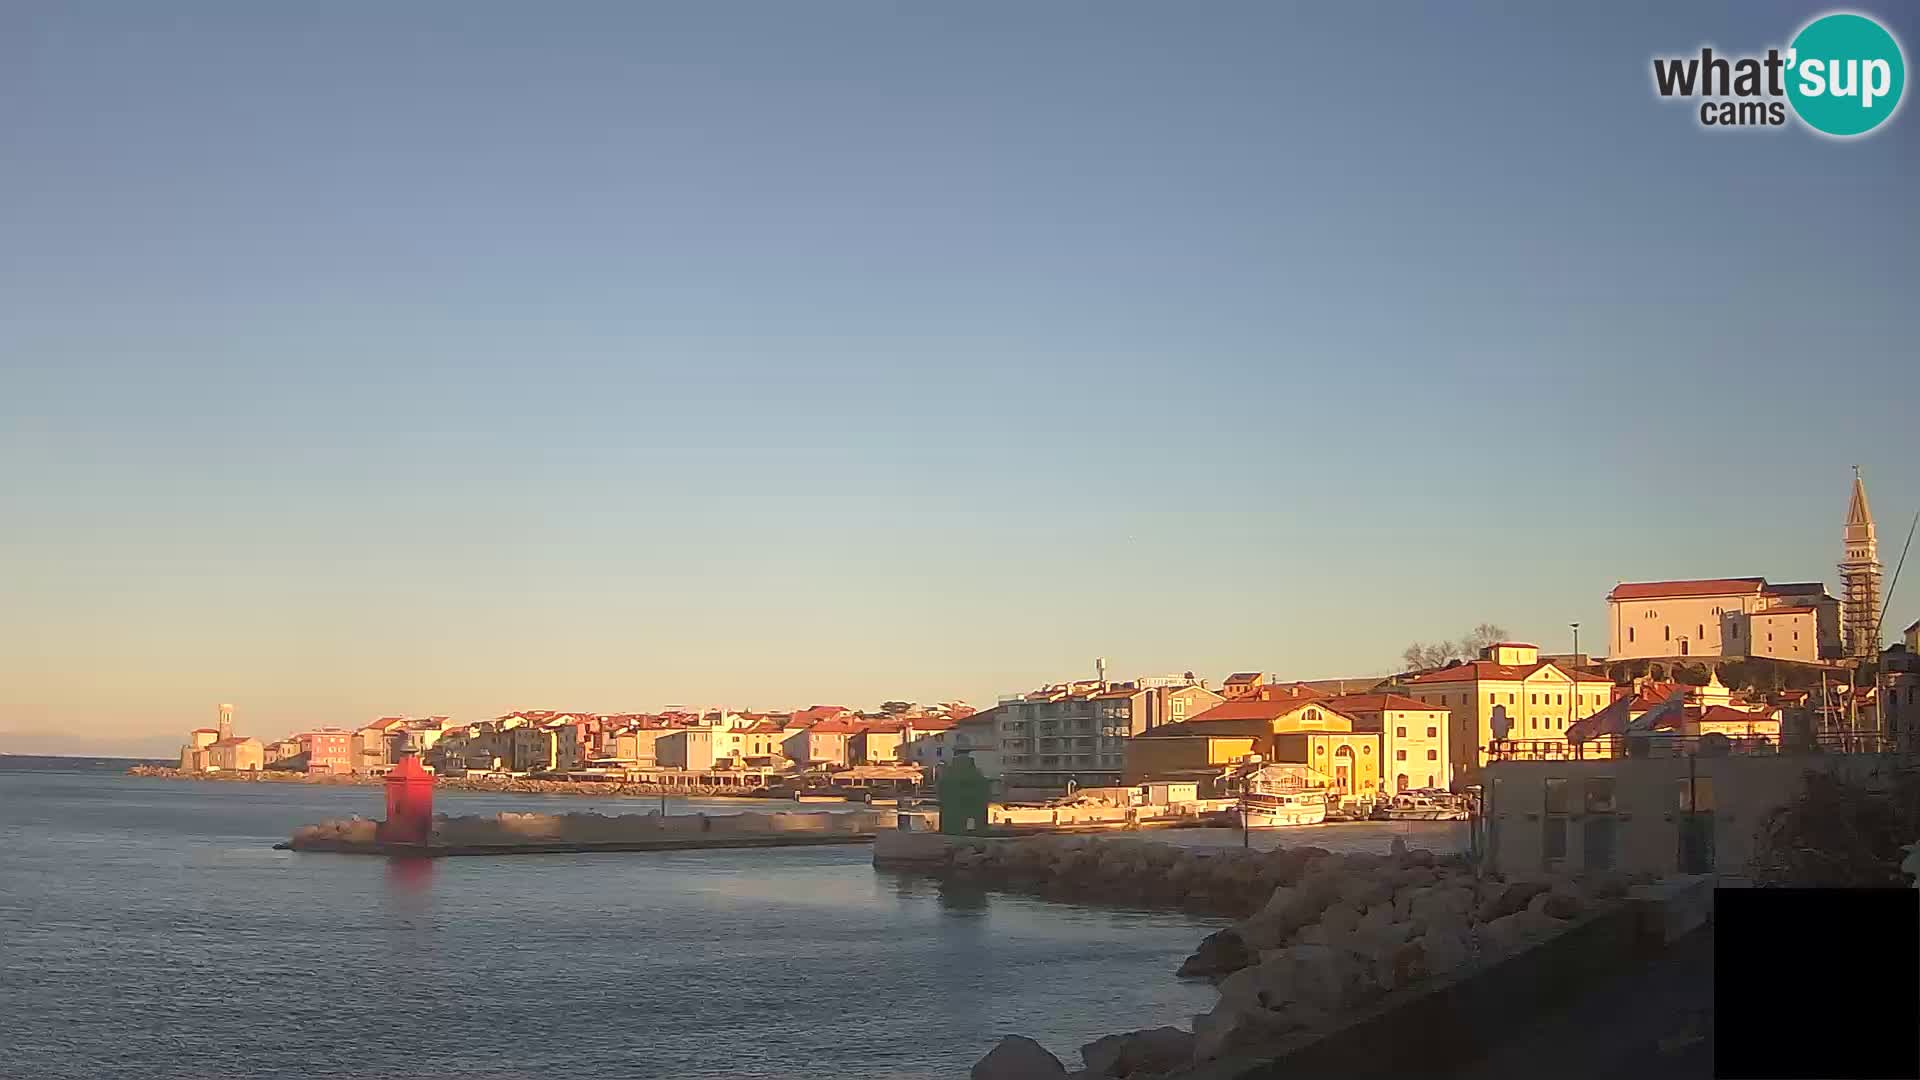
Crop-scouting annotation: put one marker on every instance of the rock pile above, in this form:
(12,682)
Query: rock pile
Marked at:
(1321,934)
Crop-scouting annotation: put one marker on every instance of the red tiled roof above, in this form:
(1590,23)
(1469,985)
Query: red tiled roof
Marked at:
(833,727)
(931,724)
(1488,671)
(1720,714)
(1239,678)
(1381,703)
(1258,708)
(1663,590)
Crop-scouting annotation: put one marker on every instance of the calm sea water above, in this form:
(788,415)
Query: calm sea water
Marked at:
(149,929)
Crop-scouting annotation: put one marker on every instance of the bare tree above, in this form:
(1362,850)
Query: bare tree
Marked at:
(1423,656)
(1420,656)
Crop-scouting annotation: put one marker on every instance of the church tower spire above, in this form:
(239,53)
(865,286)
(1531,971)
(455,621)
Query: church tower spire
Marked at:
(1860,576)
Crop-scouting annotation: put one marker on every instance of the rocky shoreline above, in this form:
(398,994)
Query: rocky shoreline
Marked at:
(1319,935)
(514,785)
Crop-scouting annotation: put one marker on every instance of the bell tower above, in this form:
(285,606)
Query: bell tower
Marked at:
(1860,577)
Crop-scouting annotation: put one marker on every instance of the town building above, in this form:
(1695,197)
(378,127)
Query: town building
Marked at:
(236,754)
(877,742)
(1531,698)
(1722,617)
(685,748)
(821,744)
(1860,575)
(1144,704)
(1898,691)
(1281,724)
(325,752)
(1413,737)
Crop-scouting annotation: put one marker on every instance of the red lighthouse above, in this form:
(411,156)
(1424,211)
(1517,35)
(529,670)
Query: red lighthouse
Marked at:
(409,803)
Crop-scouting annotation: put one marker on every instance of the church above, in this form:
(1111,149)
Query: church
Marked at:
(1752,617)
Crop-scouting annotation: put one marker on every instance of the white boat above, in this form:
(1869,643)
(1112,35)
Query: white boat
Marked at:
(1259,811)
(1280,796)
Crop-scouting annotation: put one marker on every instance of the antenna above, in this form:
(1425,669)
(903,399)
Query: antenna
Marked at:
(1895,583)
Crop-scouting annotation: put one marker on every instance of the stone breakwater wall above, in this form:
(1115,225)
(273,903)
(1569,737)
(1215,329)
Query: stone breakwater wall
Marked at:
(514,784)
(1319,935)
(509,829)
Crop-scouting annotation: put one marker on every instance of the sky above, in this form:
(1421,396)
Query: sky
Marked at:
(456,358)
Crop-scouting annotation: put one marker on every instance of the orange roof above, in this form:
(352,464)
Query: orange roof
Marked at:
(1720,714)
(1488,671)
(1663,590)
(1256,708)
(1380,703)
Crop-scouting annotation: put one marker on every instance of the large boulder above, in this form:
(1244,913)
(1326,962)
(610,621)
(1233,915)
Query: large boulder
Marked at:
(1229,1030)
(1509,899)
(1017,1057)
(1154,1051)
(1220,953)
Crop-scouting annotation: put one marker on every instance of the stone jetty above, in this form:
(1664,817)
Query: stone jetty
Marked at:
(510,833)
(1319,935)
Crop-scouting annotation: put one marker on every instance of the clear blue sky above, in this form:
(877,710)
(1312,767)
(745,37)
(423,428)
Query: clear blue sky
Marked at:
(461,357)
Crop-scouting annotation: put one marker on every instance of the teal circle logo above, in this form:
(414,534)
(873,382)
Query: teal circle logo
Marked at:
(1845,73)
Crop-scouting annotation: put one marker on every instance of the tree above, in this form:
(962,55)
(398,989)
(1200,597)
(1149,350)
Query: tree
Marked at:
(1421,655)
(1836,834)
(1480,637)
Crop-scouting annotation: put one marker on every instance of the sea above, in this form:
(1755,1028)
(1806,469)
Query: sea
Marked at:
(148,928)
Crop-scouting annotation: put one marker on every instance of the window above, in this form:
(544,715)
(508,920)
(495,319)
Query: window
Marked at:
(1535,723)
(1179,708)
(1629,634)
(1401,781)
(1733,630)
(1431,782)
(1666,633)
(1556,796)
(1433,732)
(1700,631)
(1599,794)
(1366,748)
(1399,755)
(1490,698)
(1559,699)
(1686,791)
(1533,699)
(1312,716)
(1399,733)
(1509,699)
(1433,755)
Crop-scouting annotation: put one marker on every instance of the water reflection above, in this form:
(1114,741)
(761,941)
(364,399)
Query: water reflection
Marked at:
(410,880)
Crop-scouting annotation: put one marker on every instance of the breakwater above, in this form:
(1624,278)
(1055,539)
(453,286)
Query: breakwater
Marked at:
(507,834)
(1319,938)
(483,783)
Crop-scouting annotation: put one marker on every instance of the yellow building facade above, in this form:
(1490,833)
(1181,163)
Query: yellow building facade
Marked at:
(1287,727)
(1539,700)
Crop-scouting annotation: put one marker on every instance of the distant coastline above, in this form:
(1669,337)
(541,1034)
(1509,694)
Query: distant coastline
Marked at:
(510,784)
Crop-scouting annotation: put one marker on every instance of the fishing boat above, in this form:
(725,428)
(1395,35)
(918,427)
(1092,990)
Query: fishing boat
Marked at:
(1422,806)
(1281,796)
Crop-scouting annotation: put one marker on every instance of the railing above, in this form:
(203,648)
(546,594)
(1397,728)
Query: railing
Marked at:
(1661,745)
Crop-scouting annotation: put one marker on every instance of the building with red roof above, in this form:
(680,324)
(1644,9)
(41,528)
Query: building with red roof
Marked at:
(1734,617)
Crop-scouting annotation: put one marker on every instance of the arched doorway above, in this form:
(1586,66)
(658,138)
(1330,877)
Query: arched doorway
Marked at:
(1400,782)
(1343,771)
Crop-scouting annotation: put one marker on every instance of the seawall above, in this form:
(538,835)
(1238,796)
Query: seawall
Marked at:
(506,834)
